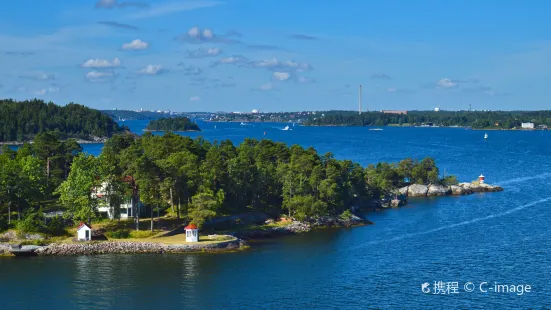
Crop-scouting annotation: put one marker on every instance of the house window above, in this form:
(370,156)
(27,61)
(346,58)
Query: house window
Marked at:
(194,233)
(187,233)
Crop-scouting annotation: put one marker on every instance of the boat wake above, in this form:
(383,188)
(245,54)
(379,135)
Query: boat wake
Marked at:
(479,219)
(524,179)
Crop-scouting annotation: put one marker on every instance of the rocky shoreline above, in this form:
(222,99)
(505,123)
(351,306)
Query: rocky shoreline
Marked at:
(298,227)
(129,247)
(418,190)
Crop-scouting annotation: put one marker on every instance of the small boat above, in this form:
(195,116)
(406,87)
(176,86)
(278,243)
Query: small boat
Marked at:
(376,129)
(25,250)
(485,136)
(286,128)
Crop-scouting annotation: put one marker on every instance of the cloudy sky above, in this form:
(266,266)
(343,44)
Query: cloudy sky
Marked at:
(239,55)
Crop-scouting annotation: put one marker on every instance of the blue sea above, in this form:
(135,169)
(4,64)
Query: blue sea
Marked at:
(459,250)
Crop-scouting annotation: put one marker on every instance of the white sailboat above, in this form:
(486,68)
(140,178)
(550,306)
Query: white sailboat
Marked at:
(485,136)
(286,128)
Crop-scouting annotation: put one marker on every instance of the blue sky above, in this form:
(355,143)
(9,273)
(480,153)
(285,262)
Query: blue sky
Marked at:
(239,55)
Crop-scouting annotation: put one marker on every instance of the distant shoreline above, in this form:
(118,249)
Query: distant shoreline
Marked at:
(151,130)
(408,126)
(102,140)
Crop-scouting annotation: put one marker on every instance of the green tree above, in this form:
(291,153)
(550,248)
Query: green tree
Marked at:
(76,194)
(204,206)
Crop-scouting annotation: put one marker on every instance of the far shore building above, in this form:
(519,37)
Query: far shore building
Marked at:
(84,232)
(404,112)
(527,125)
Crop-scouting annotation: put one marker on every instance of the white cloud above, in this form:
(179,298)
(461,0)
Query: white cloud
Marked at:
(204,52)
(96,76)
(232,60)
(45,91)
(39,76)
(270,64)
(194,98)
(446,83)
(101,63)
(135,45)
(267,86)
(196,35)
(110,4)
(152,70)
(305,80)
(282,76)
(170,8)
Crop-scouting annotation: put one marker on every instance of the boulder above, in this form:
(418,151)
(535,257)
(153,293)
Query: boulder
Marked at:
(438,190)
(417,190)
(476,187)
(403,191)
(457,190)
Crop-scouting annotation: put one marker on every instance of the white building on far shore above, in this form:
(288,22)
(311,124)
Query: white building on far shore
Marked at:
(527,125)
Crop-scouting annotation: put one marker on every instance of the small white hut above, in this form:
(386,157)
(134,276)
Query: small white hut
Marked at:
(84,232)
(192,233)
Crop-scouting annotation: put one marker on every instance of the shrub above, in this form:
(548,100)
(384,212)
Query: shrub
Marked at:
(346,215)
(32,222)
(141,234)
(449,180)
(118,234)
(56,226)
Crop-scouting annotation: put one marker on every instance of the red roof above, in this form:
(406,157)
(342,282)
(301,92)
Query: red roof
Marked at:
(191,226)
(83,224)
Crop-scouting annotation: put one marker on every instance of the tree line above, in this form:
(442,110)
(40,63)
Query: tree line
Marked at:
(474,119)
(172,124)
(23,120)
(196,179)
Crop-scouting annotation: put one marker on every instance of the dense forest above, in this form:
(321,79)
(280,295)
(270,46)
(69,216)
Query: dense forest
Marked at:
(172,124)
(474,119)
(193,178)
(23,120)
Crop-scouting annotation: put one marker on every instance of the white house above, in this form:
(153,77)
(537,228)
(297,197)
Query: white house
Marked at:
(527,125)
(84,232)
(125,208)
(192,233)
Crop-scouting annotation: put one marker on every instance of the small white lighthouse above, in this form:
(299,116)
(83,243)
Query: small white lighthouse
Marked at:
(192,233)
(481,179)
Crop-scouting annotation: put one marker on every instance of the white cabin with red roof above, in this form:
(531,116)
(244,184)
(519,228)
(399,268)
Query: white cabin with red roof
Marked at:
(84,232)
(192,233)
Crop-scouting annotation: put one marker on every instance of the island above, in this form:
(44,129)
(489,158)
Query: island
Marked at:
(174,124)
(487,120)
(22,121)
(140,193)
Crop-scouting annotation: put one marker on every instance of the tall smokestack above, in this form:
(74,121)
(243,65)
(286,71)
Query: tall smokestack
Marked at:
(360,101)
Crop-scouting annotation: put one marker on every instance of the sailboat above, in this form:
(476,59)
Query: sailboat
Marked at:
(485,136)
(286,128)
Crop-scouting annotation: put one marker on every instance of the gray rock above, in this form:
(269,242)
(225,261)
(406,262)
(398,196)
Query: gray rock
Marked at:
(438,190)
(458,190)
(403,191)
(417,190)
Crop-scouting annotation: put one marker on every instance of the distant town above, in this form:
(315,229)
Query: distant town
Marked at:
(477,119)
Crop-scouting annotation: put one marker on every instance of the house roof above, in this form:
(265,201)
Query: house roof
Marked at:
(82,224)
(191,226)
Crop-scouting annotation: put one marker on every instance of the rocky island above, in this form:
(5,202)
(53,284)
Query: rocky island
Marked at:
(419,190)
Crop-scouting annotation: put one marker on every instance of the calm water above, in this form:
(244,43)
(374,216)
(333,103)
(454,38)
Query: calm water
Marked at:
(501,237)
